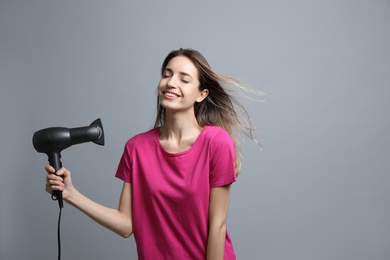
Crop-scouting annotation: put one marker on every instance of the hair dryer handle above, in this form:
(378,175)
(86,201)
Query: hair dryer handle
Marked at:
(55,161)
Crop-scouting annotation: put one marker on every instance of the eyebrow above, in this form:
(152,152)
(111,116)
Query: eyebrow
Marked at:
(180,72)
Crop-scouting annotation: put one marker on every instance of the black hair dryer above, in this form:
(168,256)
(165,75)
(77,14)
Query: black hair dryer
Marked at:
(53,140)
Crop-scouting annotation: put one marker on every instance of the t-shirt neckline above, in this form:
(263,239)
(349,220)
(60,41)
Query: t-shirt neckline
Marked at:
(157,139)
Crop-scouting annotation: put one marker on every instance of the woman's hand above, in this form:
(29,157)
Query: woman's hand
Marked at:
(61,181)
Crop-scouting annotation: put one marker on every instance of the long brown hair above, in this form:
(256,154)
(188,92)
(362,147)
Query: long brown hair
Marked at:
(219,108)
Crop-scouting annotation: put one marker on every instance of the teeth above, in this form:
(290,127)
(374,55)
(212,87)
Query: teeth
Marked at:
(170,94)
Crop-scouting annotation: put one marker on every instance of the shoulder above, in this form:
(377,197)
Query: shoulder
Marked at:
(217,137)
(217,134)
(141,138)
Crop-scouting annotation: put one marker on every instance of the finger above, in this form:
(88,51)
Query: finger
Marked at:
(56,182)
(48,187)
(51,188)
(63,172)
(50,169)
(55,185)
(56,173)
(53,177)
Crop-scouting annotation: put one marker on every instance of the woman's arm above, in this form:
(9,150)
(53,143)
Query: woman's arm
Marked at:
(218,209)
(117,220)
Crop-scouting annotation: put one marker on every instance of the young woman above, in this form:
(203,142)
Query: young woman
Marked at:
(176,176)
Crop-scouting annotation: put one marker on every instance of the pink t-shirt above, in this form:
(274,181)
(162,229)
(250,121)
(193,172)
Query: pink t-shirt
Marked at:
(170,192)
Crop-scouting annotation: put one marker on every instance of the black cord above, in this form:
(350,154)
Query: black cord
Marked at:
(59,234)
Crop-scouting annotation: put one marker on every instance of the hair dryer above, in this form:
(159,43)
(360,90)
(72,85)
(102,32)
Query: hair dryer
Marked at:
(53,140)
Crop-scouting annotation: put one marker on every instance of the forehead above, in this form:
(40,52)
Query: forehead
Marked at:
(182,64)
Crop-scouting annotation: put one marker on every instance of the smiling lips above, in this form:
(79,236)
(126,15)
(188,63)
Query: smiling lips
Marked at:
(170,94)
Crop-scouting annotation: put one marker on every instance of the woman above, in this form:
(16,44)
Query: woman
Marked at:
(176,176)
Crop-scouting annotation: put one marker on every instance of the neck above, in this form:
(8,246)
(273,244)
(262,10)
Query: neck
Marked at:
(179,125)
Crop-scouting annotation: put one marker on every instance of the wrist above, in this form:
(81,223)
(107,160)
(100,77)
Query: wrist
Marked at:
(72,195)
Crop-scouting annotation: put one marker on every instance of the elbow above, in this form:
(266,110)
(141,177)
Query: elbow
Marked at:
(125,233)
(218,228)
(125,230)
(223,229)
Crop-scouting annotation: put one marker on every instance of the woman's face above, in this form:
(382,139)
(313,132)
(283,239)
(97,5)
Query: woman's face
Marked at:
(178,88)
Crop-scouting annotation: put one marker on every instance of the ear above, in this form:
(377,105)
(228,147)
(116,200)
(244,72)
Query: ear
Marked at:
(202,95)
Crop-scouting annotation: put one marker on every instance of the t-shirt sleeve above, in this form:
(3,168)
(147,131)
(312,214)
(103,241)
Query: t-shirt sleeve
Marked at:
(123,171)
(222,161)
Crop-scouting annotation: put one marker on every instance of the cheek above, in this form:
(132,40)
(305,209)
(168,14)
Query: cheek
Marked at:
(160,84)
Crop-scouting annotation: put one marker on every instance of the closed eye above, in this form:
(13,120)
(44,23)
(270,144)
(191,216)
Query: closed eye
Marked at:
(185,77)
(166,73)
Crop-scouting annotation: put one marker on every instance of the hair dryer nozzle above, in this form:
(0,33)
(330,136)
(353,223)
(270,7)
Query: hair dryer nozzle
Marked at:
(98,124)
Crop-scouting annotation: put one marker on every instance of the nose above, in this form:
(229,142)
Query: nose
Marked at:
(172,82)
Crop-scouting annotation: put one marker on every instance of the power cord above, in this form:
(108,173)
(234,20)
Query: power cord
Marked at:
(57,195)
(59,234)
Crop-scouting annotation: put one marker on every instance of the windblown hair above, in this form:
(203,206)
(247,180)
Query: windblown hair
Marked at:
(219,108)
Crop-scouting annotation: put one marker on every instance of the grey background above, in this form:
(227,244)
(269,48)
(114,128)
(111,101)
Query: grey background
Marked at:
(320,189)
